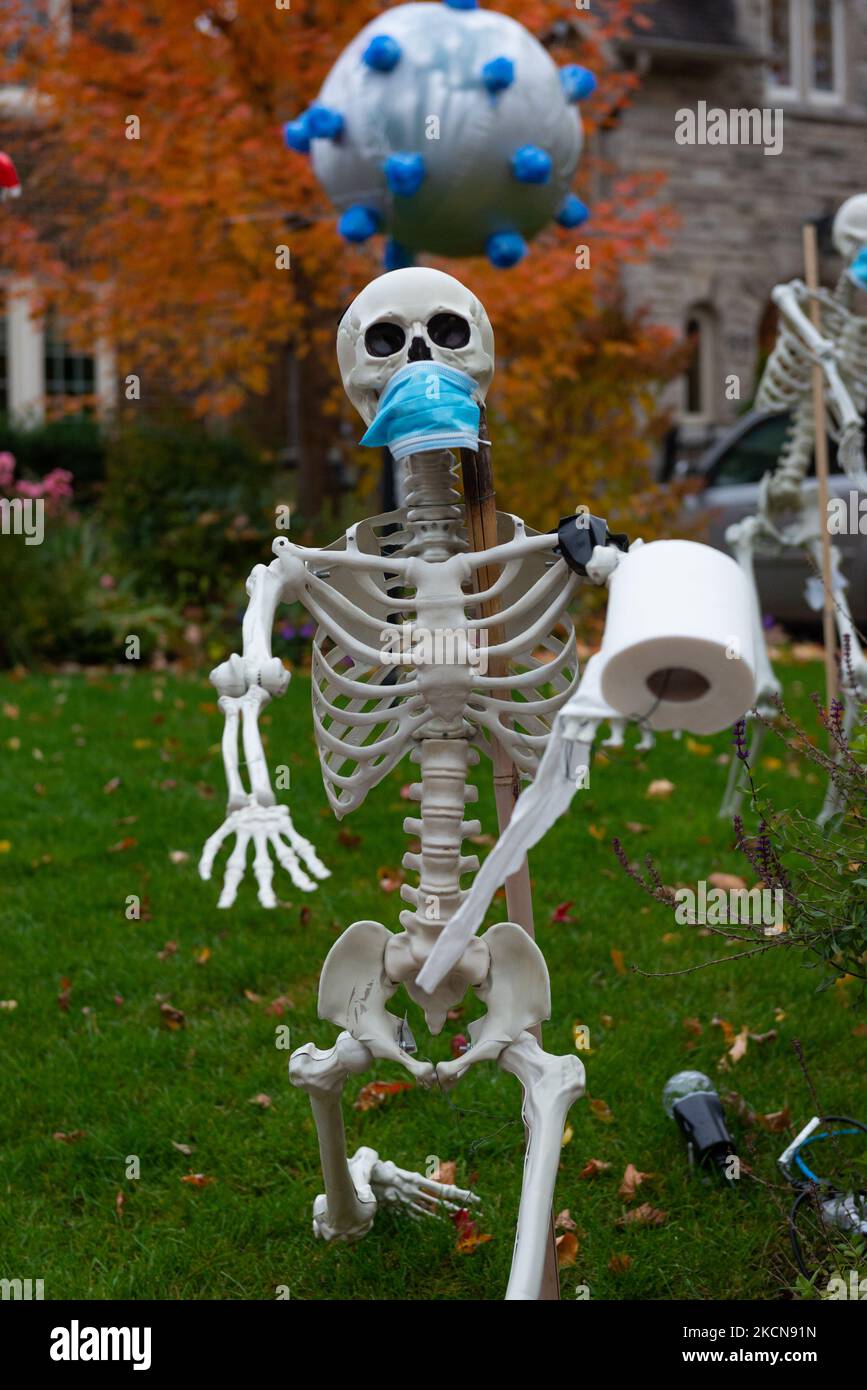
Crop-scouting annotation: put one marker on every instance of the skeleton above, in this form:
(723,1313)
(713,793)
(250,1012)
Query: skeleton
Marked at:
(443,710)
(787,516)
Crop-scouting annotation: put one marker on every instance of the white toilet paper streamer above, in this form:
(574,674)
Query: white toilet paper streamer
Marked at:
(536,810)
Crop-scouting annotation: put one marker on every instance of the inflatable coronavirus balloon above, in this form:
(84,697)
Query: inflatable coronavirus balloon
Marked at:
(448,129)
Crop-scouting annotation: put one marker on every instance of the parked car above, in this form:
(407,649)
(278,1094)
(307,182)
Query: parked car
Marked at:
(729,473)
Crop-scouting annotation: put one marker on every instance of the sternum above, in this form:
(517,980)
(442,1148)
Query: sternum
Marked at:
(439,863)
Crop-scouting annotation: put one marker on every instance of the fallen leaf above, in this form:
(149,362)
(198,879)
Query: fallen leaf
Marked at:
(174,1019)
(660,788)
(112,785)
(693,1027)
(593,1168)
(561,913)
(348,839)
(119,1203)
(563,1221)
(73,1137)
(64,995)
(779,1015)
(446,1172)
(278,1007)
(10,711)
(178,856)
(597,831)
(567,1249)
(728,882)
(636,828)
(632,1180)
(619,963)
(770,1036)
(619,1264)
(170,949)
(261,1099)
(777,1121)
(482,839)
(8,1005)
(197,1180)
(859,1031)
(390,879)
(253,998)
(739,1047)
(459,1045)
(727,1028)
(126,843)
(601,1111)
(645,1215)
(185,1149)
(567,1135)
(142,743)
(702,750)
(376,1093)
(204,956)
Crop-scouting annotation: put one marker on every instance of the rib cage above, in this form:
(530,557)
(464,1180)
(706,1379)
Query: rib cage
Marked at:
(365,712)
(786,383)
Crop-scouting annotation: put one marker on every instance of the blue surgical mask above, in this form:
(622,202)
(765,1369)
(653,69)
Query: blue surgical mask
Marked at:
(426,406)
(858,269)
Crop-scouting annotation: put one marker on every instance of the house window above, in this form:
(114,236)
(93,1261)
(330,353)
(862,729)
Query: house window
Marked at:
(699,390)
(807,51)
(67,372)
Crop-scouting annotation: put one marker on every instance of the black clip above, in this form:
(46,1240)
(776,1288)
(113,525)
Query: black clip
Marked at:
(579,535)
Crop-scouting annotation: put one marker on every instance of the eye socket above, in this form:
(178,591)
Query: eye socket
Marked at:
(449,331)
(384,339)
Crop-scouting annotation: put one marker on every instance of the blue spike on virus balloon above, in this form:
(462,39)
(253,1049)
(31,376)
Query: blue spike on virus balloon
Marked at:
(578,83)
(506,249)
(297,134)
(405,173)
(383,53)
(324,123)
(461,4)
(498,74)
(396,256)
(573,212)
(359,223)
(530,164)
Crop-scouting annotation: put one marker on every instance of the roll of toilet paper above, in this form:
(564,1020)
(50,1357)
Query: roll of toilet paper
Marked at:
(678,650)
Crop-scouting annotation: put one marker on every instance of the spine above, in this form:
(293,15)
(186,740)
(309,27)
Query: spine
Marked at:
(440,864)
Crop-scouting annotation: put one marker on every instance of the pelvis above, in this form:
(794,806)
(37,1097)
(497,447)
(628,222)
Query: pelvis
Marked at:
(357,982)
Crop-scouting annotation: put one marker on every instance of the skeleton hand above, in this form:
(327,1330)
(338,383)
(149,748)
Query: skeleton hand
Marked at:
(265,826)
(254,815)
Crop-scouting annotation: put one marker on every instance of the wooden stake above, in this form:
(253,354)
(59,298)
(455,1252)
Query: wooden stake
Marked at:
(811,261)
(480,511)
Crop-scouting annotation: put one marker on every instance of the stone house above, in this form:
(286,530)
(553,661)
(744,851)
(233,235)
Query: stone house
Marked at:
(802,66)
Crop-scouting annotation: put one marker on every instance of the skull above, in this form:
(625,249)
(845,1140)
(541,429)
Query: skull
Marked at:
(411,315)
(850,227)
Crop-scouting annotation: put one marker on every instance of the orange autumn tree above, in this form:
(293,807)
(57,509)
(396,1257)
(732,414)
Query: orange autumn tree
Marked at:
(167,244)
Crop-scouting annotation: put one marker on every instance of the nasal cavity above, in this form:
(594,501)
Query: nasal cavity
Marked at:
(419,351)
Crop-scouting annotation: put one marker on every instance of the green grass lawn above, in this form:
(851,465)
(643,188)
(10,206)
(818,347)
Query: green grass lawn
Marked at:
(93,1058)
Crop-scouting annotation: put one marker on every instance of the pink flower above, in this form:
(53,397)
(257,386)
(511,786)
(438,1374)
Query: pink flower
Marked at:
(7,469)
(57,484)
(25,489)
